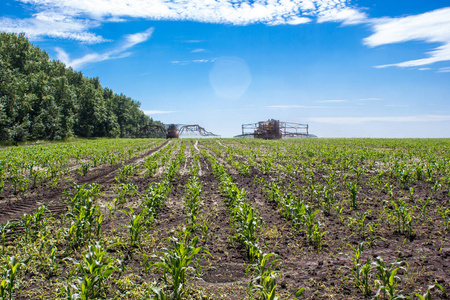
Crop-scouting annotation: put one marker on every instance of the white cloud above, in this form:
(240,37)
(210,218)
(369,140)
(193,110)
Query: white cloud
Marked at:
(360,120)
(198,50)
(346,15)
(297,21)
(444,70)
(75,20)
(137,38)
(157,112)
(299,106)
(430,27)
(118,52)
(271,12)
(186,62)
(55,25)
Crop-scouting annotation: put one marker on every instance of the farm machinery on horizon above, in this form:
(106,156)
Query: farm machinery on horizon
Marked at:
(174,131)
(274,129)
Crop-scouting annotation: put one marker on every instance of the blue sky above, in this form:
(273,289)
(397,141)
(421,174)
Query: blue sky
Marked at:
(347,68)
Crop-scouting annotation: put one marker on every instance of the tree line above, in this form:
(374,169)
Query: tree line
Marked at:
(42,99)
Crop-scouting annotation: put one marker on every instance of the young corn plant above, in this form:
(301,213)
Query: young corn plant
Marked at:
(386,284)
(318,236)
(84,168)
(125,190)
(137,225)
(86,222)
(403,216)
(263,284)
(83,196)
(193,201)
(419,172)
(353,192)
(356,259)
(2,187)
(365,229)
(423,207)
(48,262)
(389,189)
(405,177)
(34,223)
(95,270)
(267,165)
(313,231)
(125,172)
(9,271)
(4,230)
(155,196)
(427,295)
(328,199)
(246,223)
(365,276)
(151,166)
(445,213)
(175,263)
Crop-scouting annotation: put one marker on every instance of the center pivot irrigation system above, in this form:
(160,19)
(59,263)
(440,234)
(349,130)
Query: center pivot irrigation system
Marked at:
(274,129)
(174,131)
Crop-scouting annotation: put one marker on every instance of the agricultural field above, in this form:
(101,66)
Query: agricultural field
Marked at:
(226,219)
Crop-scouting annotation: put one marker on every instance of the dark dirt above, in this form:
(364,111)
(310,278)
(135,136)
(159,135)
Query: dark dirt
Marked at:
(327,273)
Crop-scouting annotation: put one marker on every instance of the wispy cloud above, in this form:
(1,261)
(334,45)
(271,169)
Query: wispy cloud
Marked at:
(429,27)
(300,106)
(158,112)
(444,70)
(194,61)
(198,50)
(346,15)
(400,119)
(137,38)
(119,52)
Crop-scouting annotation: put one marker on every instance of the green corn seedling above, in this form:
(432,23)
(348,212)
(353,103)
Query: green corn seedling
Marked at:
(356,259)
(386,284)
(9,273)
(85,168)
(95,270)
(445,213)
(4,229)
(175,263)
(353,191)
(427,295)
(263,284)
(365,277)
(137,225)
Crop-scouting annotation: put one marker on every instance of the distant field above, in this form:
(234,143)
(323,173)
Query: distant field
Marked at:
(226,219)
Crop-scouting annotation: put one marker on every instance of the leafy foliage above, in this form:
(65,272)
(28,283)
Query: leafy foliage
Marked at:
(42,99)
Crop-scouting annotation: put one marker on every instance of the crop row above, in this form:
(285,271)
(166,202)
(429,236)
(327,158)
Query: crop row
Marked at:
(22,168)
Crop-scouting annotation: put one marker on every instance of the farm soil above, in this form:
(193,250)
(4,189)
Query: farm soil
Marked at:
(326,273)
(14,206)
